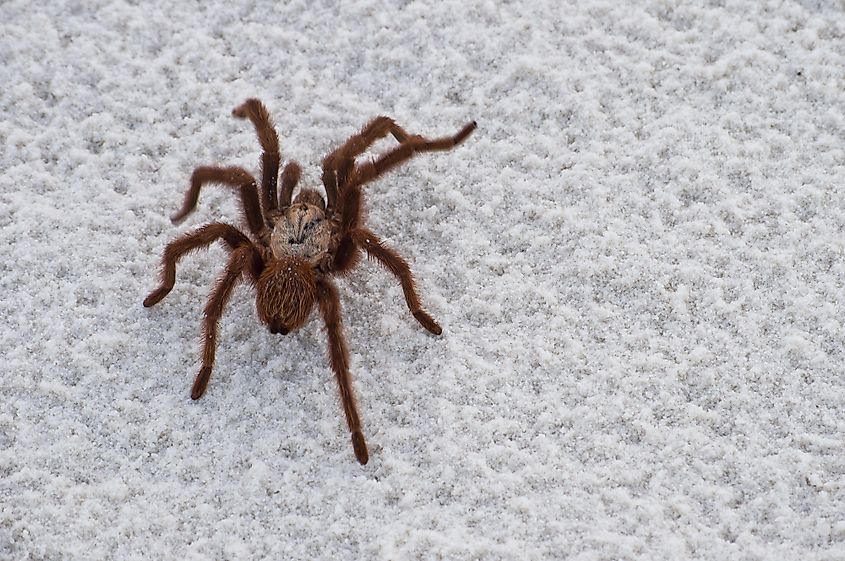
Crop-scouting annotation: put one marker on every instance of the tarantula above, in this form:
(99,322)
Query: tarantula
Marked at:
(294,248)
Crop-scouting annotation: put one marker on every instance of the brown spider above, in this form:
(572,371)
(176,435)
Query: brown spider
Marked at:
(296,247)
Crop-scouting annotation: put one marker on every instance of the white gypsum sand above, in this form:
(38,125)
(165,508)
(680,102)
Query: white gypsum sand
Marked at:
(637,261)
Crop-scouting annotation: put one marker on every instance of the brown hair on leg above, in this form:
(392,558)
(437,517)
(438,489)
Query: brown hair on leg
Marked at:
(254,110)
(413,144)
(290,177)
(257,113)
(231,177)
(394,262)
(338,164)
(239,262)
(339,355)
(351,208)
(198,239)
(329,178)
(346,254)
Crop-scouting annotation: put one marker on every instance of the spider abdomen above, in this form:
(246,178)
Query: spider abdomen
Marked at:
(285,293)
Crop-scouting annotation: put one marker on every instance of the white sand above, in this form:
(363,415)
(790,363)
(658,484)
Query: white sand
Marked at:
(637,259)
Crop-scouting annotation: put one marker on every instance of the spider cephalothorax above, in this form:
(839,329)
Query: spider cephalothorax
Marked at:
(302,229)
(296,246)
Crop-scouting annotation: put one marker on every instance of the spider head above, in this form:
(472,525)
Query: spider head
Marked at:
(285,294)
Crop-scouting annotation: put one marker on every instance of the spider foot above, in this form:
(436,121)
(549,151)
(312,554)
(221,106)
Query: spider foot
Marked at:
(428,322)
(360,447)
(201,382)
(242,111)
(156,296)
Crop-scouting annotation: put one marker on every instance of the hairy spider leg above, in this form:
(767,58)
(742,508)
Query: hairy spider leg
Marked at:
(257,113)
(339,355)
(369,171)
(198,239)
(234,177)
(338,164)
(346,254)
(350,204)
(239,263)
(393,262)
(290,177)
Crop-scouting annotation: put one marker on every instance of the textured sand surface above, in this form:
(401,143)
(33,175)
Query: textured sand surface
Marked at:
(637,261)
